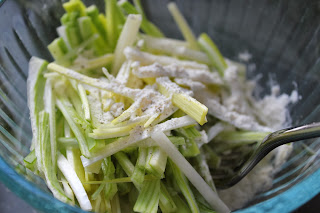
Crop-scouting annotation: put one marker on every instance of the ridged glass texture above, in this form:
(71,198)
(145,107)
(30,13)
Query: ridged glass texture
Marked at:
(282,36)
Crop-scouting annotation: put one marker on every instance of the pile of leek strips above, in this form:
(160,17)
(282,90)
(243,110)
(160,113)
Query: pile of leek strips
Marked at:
(116,123)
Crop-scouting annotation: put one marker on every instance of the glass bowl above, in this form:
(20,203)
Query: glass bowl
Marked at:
(283,38)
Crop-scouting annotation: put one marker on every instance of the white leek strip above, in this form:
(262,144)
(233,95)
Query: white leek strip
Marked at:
(98,83)
(127,38)
(198,182)
(35,88)
(159,43)
(136,136)
(124,73)
(85,103)
(85,64)
(215,130)
(174,47)
(49,104)
(67,190)
(157,70)
(128,112)
(148,58)
(74,182)
(183,25)
(151,119)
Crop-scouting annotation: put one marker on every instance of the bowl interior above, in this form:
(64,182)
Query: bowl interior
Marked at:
(282,37)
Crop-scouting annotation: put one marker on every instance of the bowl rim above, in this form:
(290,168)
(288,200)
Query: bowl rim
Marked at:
(286,201)
(29,192)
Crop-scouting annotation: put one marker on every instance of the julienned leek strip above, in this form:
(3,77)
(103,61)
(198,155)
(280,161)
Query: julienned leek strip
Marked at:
(98,83)
(183,25)
(112,132)
(173,153)
(135,137)
(94,63)
(216,58)
(127,38)
(187,104)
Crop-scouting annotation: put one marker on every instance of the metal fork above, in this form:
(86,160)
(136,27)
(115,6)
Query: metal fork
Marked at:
(269,143)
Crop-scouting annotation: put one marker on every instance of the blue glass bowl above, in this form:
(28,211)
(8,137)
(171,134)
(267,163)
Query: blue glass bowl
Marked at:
(283,37)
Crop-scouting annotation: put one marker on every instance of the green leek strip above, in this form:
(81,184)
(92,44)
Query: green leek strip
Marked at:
(73,155)
(166,202)
(151,28)
(148,198)
(233,139)
(86,27)
(85,103)
(118,89)
(58,48)
(112,24)
(73,95)
(76,111)
(75,128)
(74,182)
(191,107)
(146,26)
(65,142)
(127,38)
(198,182)
(50,108)
(156,161)
(45,156)
(97,193)
(108,169)
(94,63)
(118,180)
(139,169)
(115,204)
(75,6)
(35,91)
(187,104)
(125,186)
(125,163)
(213,53)
(174,47)
(93,13)
(127,141)
(191,132)
(190,149)
(96,203)
(182,182)
(73,36)
(182,207)
(30,161)
(183,26)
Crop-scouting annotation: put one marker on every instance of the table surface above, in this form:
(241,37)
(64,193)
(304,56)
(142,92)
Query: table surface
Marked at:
(19,205)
